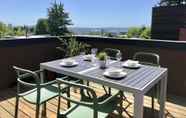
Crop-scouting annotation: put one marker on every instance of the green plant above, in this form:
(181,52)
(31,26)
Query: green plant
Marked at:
(146,34)
(133,32)
(71,47)
(139,32)
(172,2)
(102,56)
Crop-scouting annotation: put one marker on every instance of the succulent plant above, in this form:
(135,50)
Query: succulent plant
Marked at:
(102,56)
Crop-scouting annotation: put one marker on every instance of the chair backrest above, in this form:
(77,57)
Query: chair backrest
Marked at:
(112,53)
(94,100)
(147,58)
(82,88)
(23,75)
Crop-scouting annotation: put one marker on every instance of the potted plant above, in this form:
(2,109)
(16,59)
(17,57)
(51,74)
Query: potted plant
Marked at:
(102,57)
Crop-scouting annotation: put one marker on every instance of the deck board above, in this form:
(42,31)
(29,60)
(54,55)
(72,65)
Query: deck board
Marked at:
(175,106)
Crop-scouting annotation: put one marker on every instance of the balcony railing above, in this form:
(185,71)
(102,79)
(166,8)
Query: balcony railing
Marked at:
(31,52)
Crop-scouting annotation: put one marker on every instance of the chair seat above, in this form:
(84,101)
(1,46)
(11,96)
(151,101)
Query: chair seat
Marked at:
(110,106)
(47,93)
(87,112)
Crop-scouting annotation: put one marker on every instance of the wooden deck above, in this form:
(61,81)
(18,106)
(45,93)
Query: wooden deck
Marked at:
(175,106)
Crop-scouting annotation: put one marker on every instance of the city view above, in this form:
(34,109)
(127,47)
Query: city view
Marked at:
(120,28)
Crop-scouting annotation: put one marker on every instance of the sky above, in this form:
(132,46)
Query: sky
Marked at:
(83,13)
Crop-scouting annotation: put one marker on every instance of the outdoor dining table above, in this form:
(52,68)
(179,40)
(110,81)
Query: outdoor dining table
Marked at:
(138,81)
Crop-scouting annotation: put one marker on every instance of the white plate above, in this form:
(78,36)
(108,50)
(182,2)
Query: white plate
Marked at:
(122,74)
(63,63)
(131,66)
(87,57)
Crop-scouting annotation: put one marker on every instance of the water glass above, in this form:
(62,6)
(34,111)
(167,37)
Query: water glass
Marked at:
(94,51)
(82,54)
(118,56)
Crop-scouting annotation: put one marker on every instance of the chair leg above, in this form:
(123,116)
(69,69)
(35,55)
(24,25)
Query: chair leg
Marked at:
(109,91)
(68,95)
(16,107)
(44,113)
(105,89)
(88,84)
(59,106)
(37,111)
(121,104)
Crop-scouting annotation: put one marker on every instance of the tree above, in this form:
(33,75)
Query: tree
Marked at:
(146,34)
(3,29)
(42,26)
(18,31)
(58,20)
(172,2)
(133,32)
(139,32)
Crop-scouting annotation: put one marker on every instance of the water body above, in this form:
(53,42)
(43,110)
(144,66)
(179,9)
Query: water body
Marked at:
(84,30)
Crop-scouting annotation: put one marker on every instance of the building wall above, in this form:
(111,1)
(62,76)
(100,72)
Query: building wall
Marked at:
(167,22)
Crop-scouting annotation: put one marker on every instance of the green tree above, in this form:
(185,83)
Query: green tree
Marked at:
(58,20)
(109,34)
(2,29)
(146,34)
(133,32)
(42,26)
(172,2)
(139,32)
(18,31)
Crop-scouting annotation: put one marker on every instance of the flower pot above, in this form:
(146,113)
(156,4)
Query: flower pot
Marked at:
(102,64)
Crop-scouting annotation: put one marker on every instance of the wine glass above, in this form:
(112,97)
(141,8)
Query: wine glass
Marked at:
(82,54)
(94,51)
(118,56)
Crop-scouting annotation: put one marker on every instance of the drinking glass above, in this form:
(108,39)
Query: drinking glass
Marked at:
(118,56)
(94,51)
(82,54)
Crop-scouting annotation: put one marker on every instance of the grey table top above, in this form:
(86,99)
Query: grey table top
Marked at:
(137,80)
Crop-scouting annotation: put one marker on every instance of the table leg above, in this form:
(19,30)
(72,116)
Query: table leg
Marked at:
(42,75)
(163,91)
(138,105)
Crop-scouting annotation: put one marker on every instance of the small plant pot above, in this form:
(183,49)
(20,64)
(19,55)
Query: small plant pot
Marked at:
(102,64)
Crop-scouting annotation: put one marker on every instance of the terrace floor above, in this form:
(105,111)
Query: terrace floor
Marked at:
(175,106)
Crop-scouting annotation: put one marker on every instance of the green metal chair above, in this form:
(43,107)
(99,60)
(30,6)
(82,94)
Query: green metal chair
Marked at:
(152,59)
(87,107)
(39,93)
(112,53)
